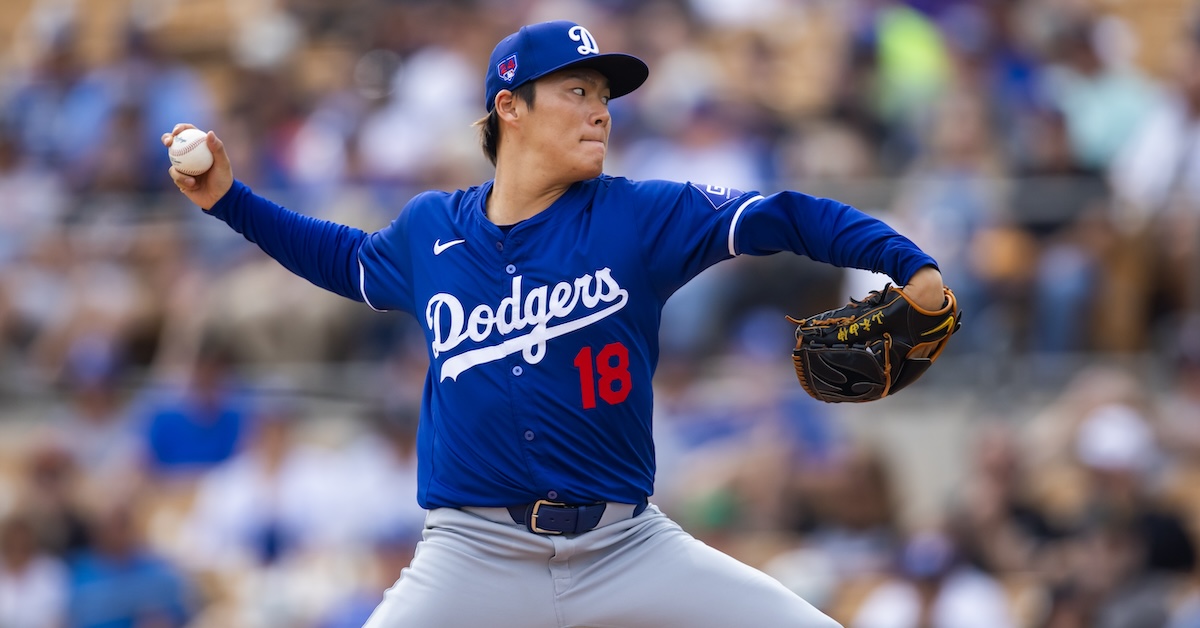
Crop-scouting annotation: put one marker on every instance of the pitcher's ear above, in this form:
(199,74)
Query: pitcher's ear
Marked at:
(506,104)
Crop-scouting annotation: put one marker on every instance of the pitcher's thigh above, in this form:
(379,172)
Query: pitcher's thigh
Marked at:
(450,584)
(675,581)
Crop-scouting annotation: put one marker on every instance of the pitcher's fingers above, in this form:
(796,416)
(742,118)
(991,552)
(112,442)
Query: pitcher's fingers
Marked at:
(180,127)
(217,148)
(168,139)
(182,181)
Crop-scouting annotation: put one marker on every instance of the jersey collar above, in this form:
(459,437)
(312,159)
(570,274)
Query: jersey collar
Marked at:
(564,207)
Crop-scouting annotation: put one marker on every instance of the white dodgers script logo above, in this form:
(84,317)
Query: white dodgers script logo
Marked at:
(581,34)
(535,309)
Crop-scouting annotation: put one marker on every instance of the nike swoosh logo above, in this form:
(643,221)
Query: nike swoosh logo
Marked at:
(438,247)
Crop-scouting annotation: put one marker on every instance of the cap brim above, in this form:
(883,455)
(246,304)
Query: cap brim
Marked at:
(625,73)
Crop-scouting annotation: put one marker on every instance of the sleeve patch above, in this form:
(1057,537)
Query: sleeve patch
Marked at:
(718,196)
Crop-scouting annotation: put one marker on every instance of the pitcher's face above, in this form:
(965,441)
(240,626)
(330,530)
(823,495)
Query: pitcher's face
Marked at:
(569,123)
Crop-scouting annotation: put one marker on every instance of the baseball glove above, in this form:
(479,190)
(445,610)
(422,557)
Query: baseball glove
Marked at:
(869,349)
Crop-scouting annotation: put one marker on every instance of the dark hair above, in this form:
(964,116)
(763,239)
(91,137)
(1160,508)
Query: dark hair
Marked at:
(489,125)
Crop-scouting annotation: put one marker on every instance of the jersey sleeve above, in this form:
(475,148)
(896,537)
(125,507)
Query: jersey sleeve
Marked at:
(687,227)
(684,228)
(385,266)
(323,252)
(374,269)
(827,231)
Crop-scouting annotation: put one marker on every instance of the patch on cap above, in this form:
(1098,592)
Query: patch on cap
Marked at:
(507,69)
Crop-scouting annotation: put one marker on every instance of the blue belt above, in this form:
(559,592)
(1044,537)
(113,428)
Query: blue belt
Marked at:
(547,517)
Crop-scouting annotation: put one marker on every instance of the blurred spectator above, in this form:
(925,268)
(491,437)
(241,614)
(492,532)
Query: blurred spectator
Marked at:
(321,160)
(1128,551)
(1118,448)
(1179,430)
(50,106)
(1115,438)
(1061,206)
(991,50)
(158,258)
(201,424)
(265,114)
(271,499)
(1103,98)
(726,458)
(850,512)
(38,298)
(94,426)
(418,131)
(914,63)
(377,495)
(1108,584)
(69,288)
(128,166)
(999,527)
(1156,177)
(1048,438)
(51,499)
(1157,170)
(933,589)
(35,201)
(122,583)
(33,585)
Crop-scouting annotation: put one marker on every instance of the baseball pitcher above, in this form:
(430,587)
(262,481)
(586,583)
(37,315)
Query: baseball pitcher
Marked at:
(540,294)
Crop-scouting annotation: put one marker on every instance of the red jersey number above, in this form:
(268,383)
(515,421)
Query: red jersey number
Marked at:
(612,364)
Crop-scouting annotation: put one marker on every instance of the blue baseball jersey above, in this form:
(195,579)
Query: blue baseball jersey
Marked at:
(543,338)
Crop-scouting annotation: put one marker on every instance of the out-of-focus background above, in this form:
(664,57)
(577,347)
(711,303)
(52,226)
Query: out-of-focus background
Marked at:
(190,436)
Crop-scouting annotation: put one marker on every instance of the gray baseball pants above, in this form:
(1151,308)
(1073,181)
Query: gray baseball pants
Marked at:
(643,572)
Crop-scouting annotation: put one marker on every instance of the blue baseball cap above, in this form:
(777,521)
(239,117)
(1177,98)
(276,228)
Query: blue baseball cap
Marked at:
(539,49)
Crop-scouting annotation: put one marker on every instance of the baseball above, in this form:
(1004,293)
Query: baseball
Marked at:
(189,152)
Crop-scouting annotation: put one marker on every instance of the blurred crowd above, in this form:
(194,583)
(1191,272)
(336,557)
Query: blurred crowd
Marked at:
(192,437)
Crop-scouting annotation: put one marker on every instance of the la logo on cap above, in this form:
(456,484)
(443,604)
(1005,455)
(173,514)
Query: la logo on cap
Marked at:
(589,45)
